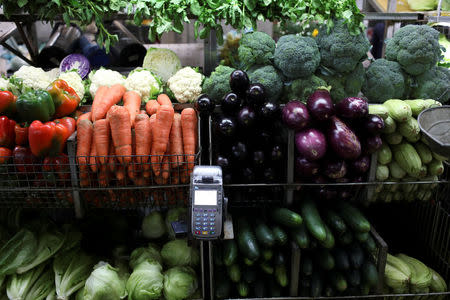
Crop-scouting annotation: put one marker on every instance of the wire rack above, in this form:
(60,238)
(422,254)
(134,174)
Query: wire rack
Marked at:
(36,199)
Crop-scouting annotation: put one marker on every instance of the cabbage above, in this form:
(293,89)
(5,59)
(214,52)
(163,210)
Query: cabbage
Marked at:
(150,254)
(174,214)
(17,252)
(146,281)
(178,253)
(19,285)
(422,4)
(43,286)
(179,283)
(153,226)
(163,62)
(104,283)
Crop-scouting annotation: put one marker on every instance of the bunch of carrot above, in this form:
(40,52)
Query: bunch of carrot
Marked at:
(144,146)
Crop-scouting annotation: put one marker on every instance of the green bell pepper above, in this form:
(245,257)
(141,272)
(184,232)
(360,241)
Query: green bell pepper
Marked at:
(35,105)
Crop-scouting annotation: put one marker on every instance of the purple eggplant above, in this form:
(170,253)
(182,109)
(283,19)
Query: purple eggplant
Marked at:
(226,126)
(230,103)
(343,140)
(246,117)
(320,179)
(372,143)
(358,178)
(270,111)
(334,169)
(269,175)
(320,105)
(352,108)
(311,144)
(361,164)
(239,151)
(258,158)
(248,175)
(295,115)
(223,162)
(374,124)
(305,168)
(276,153)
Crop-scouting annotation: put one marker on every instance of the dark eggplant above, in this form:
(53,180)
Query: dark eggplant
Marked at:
(269,175)
(204,104)
(361,164)
(305,168)
(372,143)
(248,175)
(320,105)
(226,126)
(227,178)
(230,103)
(334,169)
(295,115)
(343,140)
(276,153)
(239,82)
(327,193)
(262,137)
(258,158)
(352,108)
(311,144)
(246,117)
(358,178)
(256,94)
(374,124)
(239,151)
(320,179)
(223,162)
(269,111)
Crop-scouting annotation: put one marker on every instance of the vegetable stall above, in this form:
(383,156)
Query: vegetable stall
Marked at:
(334,184)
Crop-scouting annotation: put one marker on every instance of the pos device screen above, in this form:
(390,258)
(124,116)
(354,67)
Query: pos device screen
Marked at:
(205,197)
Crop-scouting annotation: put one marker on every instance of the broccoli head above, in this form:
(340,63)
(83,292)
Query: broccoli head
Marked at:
(270,78)
(384,80)
(296,56)
(302,88)
(218,83)
(415,48)
(433,84)
(340,50)
(345,84)
(256,48)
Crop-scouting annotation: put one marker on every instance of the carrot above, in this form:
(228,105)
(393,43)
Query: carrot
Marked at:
(163,99)
(189,129)
(132,102)
(101,139)
(161,132)
(174,176)
(111,158)
(85,132)
(143,140)
(98,99)
(148,165)
(176,142)
(85,116)
(112,96)
(152,107)
(93,157)
(103,177)
(119,121)
(165,170)
(133,166)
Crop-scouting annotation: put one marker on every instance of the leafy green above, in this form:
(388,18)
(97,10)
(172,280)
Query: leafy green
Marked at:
(104,283)
(153,226)
(146,281)
(179,283)
(179,253)
(42,287)
(19,284)
(150,254)
(17,252)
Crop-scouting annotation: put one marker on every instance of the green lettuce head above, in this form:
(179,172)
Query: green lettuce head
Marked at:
(179,283)
(146,281)
(104,283)
(179,253)
(139,255)
(153,225)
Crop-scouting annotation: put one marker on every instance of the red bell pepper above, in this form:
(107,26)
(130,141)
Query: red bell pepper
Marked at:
(69,123)
(64,97)
(7,133)
(57,166)
(24,160)
(47,139)
(5,154)
(7,103)
(21,131)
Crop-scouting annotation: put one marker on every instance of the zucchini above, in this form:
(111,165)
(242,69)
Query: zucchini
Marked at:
(417,106)
(384,155)
(389,126)
(281,275)
(346,238)
(249,275)
(398,110)
(267,254)
(410,130)
(287,217)
(370,274)
(312,218)
(264,235)
(324,259)
(394,138)
(362,236)
(307,265)
(222,288)
(382,173)
(379,110)
(407,158)
(300,237)
(234,273)
(353,217)
(370,245)
(335,221)
(424,152)
(341,259)
(280,235)
(396,171)
(247,241)
(435,168)
(243,289)
(356,256)
(316,285)
(279,259)
(218,256)
(353,277)
(329,240)
(230,252)
(266,267)
(248,262)
(337,281)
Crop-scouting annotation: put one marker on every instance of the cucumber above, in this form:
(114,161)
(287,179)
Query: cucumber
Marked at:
(384,155)
(281,275)
(435,168)
(324,259)
(424,152)
(370,274)
(313,244)
(248,262)
(234,273)
(394,138)
(353,217)
(346,238)
(389,126)
(307,265)
(267,254)
(398,110)
(279,259)
(337,281)
(218,256)
(382,173)
(247,241)
(243,289)
(362,236)
(316,284)
(266,267)
(312,218)
(230,252)
(379,110)
(416,105)
(329,241)
(353,277)
(275,289)
(335,221)
(341,259)
(300,237)
(264,235)
(287,217)
(222,288)
(396,171)
(356,256)
(249,275)
(370,245)
(280,235)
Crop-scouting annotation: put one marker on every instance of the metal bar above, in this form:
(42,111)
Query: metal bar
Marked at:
(381,259)
(295,270)
(390,16)
(17,52)
(126,31)
(28,40)
(72,153)
(290,166)
(210,53)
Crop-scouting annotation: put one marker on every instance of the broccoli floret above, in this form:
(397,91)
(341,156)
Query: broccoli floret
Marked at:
(384,80)
(270,78)
(345,84)
(256,48)
(302,88)
(415,48)
(296,56)
(218,83)
(433,84)
(339,49)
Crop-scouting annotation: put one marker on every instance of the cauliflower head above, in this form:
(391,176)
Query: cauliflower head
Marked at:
(3,84)
(74,80)
(384,80)
(104,77)
(270,78)
(296,56)
(53,74)
(302,88)
(186,85)
(256,48)
(340,50)
(415,47)
(218,83)
(433,84)
(144,83)
(35,78)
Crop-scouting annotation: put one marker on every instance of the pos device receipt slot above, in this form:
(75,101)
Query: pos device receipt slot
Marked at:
(206,199)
